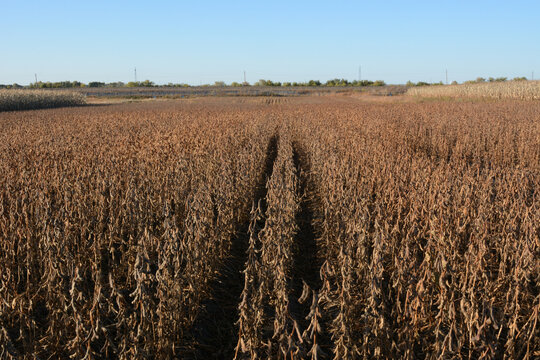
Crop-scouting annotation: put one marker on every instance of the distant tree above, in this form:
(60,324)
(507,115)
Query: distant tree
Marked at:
(94,84)
(523,78)
(116,84)
(379,83)
(410,83)
(499,79)
(480,80)
(287,84)
(454,82)
(314,83)
(235,84)
(145,83)
(263,82)
(220,83)
(337,82)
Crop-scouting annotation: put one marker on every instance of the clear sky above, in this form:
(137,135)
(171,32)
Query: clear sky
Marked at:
(206,41)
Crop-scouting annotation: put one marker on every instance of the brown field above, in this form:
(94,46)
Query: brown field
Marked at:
(271,227)
(231,91)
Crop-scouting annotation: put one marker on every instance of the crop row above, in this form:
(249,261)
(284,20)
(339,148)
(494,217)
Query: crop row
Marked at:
(429,231)
(112,235)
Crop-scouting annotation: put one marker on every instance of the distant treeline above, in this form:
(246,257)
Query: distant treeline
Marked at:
(262,82)
(148,83)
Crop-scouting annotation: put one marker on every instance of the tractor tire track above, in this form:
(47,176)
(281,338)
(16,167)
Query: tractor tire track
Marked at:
(307,259)
(215,334)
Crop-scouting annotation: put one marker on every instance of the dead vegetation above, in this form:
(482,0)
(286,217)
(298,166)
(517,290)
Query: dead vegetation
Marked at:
(38,99)
(310,230)
(524,90)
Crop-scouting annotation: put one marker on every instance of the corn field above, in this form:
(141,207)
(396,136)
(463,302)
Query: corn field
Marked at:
(524,90)
(38,99)
(306,229)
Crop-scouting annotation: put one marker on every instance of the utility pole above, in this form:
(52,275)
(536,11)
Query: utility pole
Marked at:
(135,74)
(35,75)
(446,76)
(245,77)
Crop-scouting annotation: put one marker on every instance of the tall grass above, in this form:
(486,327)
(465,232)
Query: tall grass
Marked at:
(38,99)
(525,90)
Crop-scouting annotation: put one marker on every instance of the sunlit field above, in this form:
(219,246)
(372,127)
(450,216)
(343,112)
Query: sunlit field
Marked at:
(271,227)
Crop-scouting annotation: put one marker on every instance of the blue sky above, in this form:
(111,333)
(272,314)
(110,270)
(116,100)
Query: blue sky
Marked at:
(206,41)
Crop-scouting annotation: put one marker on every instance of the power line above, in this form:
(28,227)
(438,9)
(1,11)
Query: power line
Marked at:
(135,74)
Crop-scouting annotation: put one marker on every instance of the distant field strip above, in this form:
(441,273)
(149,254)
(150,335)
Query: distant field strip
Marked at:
(38,99)
(525,90)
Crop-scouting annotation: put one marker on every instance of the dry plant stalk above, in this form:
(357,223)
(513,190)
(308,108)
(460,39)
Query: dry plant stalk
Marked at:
(524,90)
(117,222)
(11,100)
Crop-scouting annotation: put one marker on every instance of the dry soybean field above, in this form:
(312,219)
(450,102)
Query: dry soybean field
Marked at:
(273,228)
